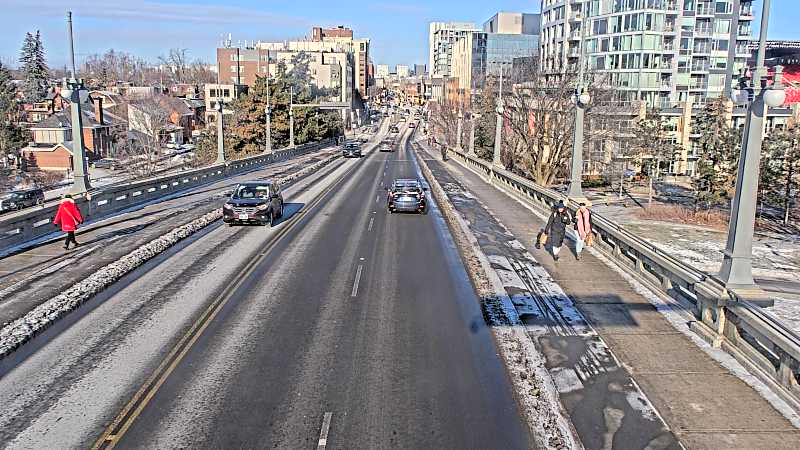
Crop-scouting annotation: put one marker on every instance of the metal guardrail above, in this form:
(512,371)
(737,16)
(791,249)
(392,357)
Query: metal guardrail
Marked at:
(756,338)
(21,227)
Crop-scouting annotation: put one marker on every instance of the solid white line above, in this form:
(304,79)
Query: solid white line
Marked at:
(378,196)
(371,220)
(358,279)
(323,434)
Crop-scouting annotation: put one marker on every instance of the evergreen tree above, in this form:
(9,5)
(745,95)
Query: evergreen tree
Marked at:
(12,136)
(34,68)
(715,174)
(780,169)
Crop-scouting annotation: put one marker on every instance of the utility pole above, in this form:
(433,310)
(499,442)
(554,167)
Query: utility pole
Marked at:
(498,131)
(268,114)
(473,118)
(582,99)
(459,129)
(220,137)
(737,266)
(291,116)
(74,89)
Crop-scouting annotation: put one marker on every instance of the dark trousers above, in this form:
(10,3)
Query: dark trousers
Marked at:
(70,238)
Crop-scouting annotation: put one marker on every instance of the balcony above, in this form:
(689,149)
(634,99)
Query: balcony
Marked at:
(744,32)
(704,11)
(669,27)
(703,31)
(746,11)
(575,35)
(702,49)
(698,86)
(700,68)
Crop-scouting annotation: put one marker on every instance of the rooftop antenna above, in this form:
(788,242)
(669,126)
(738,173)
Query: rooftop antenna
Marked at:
(71,45)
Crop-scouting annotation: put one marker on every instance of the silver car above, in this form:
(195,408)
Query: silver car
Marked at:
(407,195)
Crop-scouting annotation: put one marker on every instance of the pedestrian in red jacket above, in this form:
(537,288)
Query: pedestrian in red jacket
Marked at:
(69,217)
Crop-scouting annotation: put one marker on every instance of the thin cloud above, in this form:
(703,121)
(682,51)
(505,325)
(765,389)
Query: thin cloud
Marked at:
(158,11)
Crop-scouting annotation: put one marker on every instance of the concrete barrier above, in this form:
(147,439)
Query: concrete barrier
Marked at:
(27,225)
(757,339)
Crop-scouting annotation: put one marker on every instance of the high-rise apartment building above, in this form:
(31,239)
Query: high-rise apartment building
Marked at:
(513,23)
(441,37)
(664,52)
(382,71)
(478,54)
(420,70)
(402,71)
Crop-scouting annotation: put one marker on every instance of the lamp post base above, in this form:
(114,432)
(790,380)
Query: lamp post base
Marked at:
(80,185)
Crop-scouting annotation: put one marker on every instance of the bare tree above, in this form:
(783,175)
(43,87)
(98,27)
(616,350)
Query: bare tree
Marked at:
(149,127)
(177,62)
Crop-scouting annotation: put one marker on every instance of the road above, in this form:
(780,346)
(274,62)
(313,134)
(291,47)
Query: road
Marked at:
(343,322)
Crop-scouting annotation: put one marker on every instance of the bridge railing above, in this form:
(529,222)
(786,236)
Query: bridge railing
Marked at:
(32,223)
(756,338)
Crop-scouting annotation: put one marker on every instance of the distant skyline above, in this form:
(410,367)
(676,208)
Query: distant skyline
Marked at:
(398,30)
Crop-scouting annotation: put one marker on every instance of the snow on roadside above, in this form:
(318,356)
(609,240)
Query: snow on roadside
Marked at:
(20,331)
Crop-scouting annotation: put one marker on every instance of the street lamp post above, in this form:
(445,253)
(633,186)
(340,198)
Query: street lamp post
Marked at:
(498,131)
(459,129)
(268,114)
(582,99)
(474,119)
(74,89)
(291,117)
(737,268)
(220,137)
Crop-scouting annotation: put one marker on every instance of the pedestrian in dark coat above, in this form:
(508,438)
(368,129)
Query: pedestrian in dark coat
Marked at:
(69,217)
(556,228)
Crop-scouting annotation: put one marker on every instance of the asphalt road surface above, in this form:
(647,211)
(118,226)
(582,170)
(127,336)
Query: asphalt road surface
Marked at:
(342,327)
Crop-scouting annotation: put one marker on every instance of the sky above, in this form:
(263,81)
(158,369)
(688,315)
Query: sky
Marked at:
(398,29)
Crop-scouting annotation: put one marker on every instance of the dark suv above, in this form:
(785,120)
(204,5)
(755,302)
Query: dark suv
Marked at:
(351,149)
(407,195)
(17,200)
(259,202)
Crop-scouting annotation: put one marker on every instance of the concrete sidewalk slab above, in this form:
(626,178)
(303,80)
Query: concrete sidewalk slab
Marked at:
(703,404)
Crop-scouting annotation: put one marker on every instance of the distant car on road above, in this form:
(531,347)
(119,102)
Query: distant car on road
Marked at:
(16,200)
(394,129)
(107,163)
(351,149)
(387,146)
(407,195)
(256,202)
(412,125)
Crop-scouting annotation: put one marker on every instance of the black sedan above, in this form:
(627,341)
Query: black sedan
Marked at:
(254,202)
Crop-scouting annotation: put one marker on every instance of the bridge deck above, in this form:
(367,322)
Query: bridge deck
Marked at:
(701,401)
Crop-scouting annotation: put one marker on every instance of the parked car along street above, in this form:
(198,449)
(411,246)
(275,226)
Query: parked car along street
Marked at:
(16,200)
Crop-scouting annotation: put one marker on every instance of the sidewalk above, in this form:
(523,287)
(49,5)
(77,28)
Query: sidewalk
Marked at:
(610,352)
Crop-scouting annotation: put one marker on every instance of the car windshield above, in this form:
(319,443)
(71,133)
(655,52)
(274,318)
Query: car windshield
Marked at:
(16,195)
(252,191)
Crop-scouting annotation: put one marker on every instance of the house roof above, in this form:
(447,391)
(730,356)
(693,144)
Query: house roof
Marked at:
(169,104)
(63,119)
(40,148)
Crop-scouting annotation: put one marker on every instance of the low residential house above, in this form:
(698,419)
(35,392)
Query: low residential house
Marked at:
(198,108)
(112,102)
(184,90)
(170,116)
(39,111)
(216,93)
(52,137)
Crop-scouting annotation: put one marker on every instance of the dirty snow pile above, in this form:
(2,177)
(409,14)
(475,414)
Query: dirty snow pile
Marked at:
(16,333)
(23,329)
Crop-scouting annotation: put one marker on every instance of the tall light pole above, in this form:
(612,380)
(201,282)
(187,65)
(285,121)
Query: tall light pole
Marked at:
(737,267)
(74,89)
(581,99)
(268,114)
(473,118)
(459,129)
(498,131)
(291,116)
(220,137)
